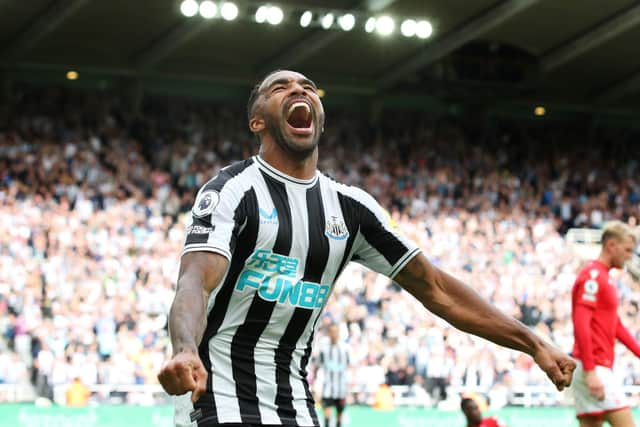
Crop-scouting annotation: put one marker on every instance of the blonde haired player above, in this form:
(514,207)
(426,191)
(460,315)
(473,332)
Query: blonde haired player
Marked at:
(598,397)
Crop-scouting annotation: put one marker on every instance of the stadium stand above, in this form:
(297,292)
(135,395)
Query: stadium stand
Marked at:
(92,203)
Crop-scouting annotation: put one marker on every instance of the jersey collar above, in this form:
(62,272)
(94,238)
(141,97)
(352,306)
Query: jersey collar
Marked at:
(275,173)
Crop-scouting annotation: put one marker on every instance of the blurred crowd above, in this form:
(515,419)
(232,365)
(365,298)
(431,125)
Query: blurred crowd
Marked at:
(93,203)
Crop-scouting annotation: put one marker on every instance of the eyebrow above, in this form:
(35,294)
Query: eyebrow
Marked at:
(285,81)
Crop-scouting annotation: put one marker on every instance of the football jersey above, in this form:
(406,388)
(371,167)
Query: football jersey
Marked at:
(287,240)
(490,422)
(593,289)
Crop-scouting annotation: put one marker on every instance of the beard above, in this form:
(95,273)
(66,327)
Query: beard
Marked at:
(288,144)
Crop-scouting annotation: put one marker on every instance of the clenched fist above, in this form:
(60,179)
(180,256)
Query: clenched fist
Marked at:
(183,373)
(558,366)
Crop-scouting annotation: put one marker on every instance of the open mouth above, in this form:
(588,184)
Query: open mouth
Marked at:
(299,117)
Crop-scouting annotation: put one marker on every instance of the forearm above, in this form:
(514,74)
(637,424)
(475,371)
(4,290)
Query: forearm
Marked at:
(187,318)
(200,273)
(465,309)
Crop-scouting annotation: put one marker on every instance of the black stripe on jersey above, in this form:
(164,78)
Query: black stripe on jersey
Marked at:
(278,193)
(317,256)
(247,210)
(350,213)
(318,242)
(383,241)
(304,361)
(226,174)
(284,355)
(247,336)
(391,248)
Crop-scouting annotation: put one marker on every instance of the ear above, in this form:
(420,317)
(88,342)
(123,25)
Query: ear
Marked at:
(256,124)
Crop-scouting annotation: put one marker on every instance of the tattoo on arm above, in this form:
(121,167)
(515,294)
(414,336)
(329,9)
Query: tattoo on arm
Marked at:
(200,273)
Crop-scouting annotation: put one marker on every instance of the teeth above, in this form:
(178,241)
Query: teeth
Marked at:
(299,104)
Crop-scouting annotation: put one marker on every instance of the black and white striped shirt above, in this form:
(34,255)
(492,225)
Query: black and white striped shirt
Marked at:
(334,361)
(287,240)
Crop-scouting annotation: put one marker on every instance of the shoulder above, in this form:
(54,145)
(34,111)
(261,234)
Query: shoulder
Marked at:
(227,174)
(350,193)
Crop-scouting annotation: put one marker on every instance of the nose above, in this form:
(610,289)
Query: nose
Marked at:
(297,88)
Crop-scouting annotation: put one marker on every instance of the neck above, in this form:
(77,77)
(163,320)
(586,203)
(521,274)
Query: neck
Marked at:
(302,168)
(605,259)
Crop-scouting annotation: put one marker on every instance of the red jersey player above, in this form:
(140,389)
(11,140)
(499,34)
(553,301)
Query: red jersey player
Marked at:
(596,325)
(474,415)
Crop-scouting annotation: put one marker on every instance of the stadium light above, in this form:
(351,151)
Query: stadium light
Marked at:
(208,9)
(327,21)
(539,111)
(229,11)
(189,8)
(385,25)
(261,14)
(347,22)
(305,19)
(321,92)
(408,28)
(274,15)
(370,25)
(424,29)
(72,75)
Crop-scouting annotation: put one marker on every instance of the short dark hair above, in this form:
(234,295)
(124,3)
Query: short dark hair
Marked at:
(255,93)
(465,401)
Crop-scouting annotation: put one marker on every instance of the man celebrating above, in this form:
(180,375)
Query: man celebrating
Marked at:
(268,238)
(596,326)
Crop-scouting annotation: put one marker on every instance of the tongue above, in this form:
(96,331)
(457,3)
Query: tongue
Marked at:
(299,118)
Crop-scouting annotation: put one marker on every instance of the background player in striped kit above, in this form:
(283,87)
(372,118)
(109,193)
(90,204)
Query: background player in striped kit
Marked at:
(268,238)
(334,361)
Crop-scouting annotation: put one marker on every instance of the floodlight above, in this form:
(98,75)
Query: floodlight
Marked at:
(327,21)
(408,28)
(261,14)
(424,29)
(274,15)
(370,25)
(347,22)
(305,18)
(189,8)
(208,9)
(385,25)
(229,11)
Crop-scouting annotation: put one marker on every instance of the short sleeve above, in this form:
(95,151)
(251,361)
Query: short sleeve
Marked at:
(214,221)
(380,245)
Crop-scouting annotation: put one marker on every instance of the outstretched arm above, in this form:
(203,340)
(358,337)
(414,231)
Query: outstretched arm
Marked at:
(465,309)
(200,273)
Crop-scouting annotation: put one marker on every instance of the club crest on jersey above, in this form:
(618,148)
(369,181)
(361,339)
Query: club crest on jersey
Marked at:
(336,229)
(205,204)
